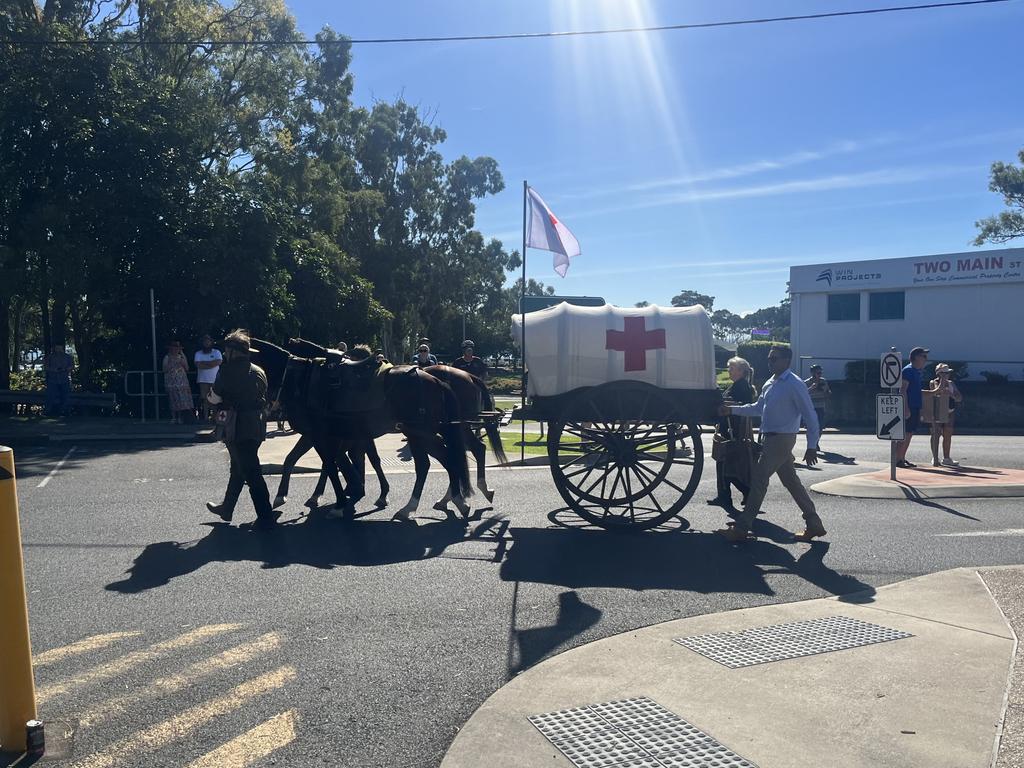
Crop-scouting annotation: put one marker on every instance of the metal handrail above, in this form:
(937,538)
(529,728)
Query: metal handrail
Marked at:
(156,391)
(142,394)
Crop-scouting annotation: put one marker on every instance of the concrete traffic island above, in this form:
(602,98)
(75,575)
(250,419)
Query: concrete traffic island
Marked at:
(934,697)
(928,483)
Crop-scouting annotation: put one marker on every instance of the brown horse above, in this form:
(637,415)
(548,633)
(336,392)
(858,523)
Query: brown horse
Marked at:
(341,402)
(473,397)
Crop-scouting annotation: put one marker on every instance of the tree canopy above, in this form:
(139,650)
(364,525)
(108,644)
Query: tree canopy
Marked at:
(1007,180)
(692,298)
(241,183)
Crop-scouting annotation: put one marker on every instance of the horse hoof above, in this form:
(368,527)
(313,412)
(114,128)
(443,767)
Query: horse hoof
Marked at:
(280,501)
(488,494)
(381,502)
(313,502)
(441,506)
(401,515)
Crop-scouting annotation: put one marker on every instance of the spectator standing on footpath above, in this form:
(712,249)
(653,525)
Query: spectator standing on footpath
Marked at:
(469,362)
(176,383)
(208,360)
(58,367)
(784,401)
(740,392)
(241,388)
(910,388)
(942,386)
(820,392)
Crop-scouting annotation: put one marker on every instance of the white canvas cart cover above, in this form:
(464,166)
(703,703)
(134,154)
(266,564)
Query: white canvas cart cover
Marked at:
(568,347)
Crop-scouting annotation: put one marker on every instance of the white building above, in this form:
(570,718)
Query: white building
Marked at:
(962,306)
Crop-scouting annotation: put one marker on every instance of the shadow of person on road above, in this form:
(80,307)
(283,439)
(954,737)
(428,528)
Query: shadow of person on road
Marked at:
(810,566)
(574,618)
(831,457)
(313,541)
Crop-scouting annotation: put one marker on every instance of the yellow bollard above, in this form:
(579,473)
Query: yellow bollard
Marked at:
(17,688)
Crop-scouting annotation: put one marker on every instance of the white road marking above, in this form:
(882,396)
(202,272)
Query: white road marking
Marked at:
(253,745)
(160,735)
(133,701)
(82,646)
(1004,532)
(55,470)
(132,660)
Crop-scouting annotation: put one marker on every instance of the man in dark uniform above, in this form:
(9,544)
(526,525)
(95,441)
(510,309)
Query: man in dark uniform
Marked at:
(470,363)
(241,389)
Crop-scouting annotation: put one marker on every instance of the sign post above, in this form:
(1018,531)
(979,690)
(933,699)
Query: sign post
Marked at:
(889,422)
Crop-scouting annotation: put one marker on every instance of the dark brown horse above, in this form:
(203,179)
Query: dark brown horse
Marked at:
(474,398)
(335,401)
(356,453)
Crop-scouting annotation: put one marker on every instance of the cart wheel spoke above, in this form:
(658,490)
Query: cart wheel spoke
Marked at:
(616,464)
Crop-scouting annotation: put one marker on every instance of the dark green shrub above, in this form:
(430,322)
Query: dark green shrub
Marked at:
(994,377)
(862,371)
(29,381)
(756,353)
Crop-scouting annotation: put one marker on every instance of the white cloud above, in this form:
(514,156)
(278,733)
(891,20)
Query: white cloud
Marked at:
(880,177)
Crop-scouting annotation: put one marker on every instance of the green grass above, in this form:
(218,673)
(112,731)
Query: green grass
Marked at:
(535,444)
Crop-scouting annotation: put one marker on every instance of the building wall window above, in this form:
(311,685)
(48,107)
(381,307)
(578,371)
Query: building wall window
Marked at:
(886,306)
(843,307)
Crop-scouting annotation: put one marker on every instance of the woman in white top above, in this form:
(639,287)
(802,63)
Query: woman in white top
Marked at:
(943,386)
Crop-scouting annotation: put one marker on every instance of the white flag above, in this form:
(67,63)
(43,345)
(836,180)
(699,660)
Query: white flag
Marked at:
(546,232)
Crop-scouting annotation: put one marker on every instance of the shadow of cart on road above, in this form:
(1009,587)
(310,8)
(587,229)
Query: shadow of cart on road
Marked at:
(692,561)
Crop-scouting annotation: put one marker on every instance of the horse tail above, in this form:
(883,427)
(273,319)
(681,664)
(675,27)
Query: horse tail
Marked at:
(493,434)
(454,442)
(494,438)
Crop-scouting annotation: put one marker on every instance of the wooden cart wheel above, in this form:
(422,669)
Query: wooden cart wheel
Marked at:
(625,473)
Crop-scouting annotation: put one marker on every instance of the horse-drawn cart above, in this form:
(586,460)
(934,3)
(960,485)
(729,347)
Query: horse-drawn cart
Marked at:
(624,392)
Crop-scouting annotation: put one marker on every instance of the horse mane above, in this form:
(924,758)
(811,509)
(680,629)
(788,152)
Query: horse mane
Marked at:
(271,358)
(304,348)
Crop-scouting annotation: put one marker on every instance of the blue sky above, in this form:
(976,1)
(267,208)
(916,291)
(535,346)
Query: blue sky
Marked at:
(711,159)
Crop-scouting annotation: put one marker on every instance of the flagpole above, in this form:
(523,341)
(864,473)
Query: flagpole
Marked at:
(522,342)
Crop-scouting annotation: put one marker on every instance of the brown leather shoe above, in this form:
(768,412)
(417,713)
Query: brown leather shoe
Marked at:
(812,531)
(735,535)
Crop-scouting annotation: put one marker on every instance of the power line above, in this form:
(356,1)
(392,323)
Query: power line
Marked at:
(521,35)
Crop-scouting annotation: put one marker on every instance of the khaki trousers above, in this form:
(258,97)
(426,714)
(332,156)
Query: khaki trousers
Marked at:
(776,459)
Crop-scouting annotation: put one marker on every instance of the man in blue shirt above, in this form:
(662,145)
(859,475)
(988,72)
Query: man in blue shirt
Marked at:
(784,401)
(910,388)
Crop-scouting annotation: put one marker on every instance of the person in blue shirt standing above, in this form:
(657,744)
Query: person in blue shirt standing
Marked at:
(784,401)
(910,388)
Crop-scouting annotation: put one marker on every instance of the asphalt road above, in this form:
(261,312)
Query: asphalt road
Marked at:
(369,643)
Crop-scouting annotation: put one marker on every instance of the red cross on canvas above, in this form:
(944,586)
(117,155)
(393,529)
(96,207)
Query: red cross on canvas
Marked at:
(635,340)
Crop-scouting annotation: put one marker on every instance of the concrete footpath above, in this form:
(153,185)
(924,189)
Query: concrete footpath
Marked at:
(928,483)
(934,696)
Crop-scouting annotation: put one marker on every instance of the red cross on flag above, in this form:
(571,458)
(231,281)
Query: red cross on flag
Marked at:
(546,232)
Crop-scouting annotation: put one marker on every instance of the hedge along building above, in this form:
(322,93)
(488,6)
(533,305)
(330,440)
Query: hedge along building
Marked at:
(964,307)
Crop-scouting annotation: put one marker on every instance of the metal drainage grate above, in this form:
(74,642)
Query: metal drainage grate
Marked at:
(788,641)
(633,733)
